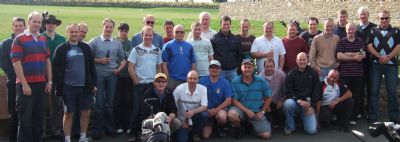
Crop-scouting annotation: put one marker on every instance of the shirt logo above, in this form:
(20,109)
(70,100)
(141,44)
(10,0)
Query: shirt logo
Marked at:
(218,90)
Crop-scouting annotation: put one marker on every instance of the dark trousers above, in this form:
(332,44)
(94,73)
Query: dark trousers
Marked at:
(138,104)
(356,85)
(342,110)
(123,102)
(276,116)
(366,93)
(13,124)
(31,112)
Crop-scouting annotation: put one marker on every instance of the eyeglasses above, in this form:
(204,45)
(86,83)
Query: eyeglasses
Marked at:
(384,18)
(149,22)
(161,81)
(179,32)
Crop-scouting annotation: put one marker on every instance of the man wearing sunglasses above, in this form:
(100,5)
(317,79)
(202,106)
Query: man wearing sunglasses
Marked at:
(384,46)
(137,39)
(219,95)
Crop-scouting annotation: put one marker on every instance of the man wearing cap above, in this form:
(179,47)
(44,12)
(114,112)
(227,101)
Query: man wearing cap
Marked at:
(107,52)
(164,102)
(158,41)
(178,57)
(144,63)
(251,100)
(302,93)
(53,123)
(31,59)
(219,95)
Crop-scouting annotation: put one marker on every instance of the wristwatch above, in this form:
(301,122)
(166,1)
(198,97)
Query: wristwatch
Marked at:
(263,112)
(50,82)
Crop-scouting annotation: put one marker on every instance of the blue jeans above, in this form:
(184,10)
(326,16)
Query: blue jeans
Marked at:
(229,74)
(290,108)
(30,111)
(199,119)
(324,73)
(103,106)
(390,72)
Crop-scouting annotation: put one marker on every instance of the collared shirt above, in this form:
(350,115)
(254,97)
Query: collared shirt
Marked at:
(263,45)
(187,101)
(251,95)
(100,47)
(157,40)
(146,60)
(53,43)
(277,83)
(104,39)
(217,92)
(32,51)
(330,93)
(179,56)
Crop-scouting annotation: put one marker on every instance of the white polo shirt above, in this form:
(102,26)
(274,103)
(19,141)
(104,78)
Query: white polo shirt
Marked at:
(186,101)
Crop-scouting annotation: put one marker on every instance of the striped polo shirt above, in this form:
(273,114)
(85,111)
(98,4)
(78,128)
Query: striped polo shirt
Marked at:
(251,95)
(32,52)
(351,67)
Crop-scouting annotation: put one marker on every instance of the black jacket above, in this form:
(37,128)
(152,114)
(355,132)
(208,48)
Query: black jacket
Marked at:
(59,62)
(227,50)
(5,59)
(300,85)
(167,104)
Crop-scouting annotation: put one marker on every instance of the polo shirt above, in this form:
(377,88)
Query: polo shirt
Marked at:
(277,83)
(179,56)
(251,95)
(351,67)
(54,43)
(146,60)
(263,45)
(216,92)
(33,52)
(186,101)
(137,39)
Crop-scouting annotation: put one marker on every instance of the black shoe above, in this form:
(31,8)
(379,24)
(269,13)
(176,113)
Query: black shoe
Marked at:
(238,132)
(344,129)
(221,132)
(57,137)
(95,136)
(76,136)
(112,134)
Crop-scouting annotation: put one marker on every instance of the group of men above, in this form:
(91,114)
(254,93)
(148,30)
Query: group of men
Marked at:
(203,83)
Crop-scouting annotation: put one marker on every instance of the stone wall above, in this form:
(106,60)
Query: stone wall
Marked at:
(273,10)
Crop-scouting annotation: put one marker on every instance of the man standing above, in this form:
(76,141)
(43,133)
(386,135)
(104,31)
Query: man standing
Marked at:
(53,124)
(340,28)
(169,30)
(219,94)
(107,51)
(268,46)
(384,46)
(203,50)
(364,32)
(144,64)
(191,102)
(31,59)
(137,39)
(75,80)
(227,49)
(276,80)
(18,27)
(246,40)
(323,50)
(251,100)
(336,99)
(293,46)
(309,35)
(123,97)
(178,57)
(303,93)
(206,31)
(83,30)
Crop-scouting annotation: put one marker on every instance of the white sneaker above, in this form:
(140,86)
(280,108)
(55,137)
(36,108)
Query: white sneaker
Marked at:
(359,116)
(120,131)
(287,132)
(353,123)
(86,139)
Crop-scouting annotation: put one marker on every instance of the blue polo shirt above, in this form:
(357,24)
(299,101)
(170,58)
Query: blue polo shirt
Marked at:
(179,56)
(216,92)
(251,95)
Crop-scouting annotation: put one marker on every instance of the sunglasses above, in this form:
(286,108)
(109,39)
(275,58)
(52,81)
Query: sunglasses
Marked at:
(149,22)
(384,18)
(161,81)
(179,32)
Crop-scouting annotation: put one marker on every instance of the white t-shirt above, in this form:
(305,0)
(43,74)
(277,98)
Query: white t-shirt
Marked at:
(205,35)
(202,49)
(186,101)
(263,45)
(146,61)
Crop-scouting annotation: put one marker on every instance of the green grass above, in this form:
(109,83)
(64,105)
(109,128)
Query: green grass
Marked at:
(93,16)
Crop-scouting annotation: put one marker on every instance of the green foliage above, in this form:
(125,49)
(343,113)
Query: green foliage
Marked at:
(2,73)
